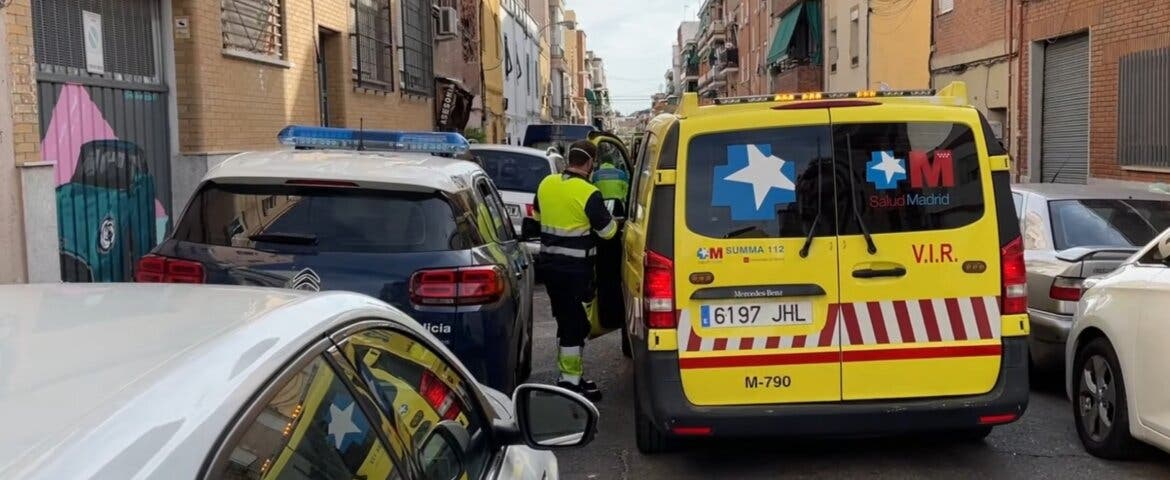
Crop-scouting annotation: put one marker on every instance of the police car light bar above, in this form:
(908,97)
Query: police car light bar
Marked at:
(309,137)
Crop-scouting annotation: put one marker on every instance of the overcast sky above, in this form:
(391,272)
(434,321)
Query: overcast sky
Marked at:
(634,38)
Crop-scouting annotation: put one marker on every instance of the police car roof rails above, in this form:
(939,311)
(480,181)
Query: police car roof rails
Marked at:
(304,137)
(954,94)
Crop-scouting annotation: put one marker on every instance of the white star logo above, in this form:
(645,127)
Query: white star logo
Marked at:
(764,173)
(341,423)
(890,166)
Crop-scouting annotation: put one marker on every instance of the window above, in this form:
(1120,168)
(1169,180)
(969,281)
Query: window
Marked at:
(254,27)
(501,224)
(907,177)
(945,6)
(1154,256)
(1107,222)
(313,427)
(1143,132)
(646,152)
(418,72)
(419,389)
(514,172)
(372,50)
(854,37)
(292,219)
(1019,201)
(833,53)
(723,203)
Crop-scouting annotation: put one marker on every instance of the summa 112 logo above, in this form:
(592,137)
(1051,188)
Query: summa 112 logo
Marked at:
(711,253)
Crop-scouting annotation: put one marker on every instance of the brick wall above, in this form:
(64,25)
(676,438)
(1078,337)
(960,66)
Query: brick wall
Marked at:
(26,136)
(805,78)
(229,104)
(1115,31)
(971,25)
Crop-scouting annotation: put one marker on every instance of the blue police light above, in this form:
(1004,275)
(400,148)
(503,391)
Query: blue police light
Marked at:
(308,137)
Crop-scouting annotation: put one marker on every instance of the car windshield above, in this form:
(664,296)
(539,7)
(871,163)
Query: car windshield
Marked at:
(295,218)
(1107,222)
(517,172)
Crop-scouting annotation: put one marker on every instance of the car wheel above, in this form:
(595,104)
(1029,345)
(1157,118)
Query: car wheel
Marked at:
(649,438)
(1099,405)
(626,348)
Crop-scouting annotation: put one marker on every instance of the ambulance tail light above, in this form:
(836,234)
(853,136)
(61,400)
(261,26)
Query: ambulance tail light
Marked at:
(439,396)
(686,431)
(658,306)
(160,269)
(1014,293)
(997,419)
(1066,288)
(457,286)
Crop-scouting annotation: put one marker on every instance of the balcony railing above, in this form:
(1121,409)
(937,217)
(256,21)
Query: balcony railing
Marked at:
(727,61)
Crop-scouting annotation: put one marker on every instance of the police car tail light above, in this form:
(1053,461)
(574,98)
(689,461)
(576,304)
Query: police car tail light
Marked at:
(529,209)
(1066,288)
(160,269)
(439,396)
(457,286)
(1014,294)
(659,291)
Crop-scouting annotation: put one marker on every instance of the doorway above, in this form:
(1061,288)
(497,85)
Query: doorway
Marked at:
(330,85)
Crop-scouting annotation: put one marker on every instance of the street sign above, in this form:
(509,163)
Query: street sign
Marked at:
(95,61)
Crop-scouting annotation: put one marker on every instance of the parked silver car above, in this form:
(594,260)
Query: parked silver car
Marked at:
(1072,232)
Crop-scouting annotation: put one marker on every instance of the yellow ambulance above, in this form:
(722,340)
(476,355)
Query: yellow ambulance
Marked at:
(824,264)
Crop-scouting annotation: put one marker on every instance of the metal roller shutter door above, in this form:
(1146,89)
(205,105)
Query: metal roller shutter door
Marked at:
(1064,129)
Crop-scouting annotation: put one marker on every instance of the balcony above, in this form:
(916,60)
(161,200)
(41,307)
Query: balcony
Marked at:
(714,31)
(727,62)
(691,73)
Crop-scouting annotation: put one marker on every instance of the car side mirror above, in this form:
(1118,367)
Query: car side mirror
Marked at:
(551,417)
(441,454)
(529,229)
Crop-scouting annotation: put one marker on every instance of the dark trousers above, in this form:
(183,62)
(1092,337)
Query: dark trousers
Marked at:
(568,292)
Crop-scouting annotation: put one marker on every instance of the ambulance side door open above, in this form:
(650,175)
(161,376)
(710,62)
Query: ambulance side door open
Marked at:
(919,255)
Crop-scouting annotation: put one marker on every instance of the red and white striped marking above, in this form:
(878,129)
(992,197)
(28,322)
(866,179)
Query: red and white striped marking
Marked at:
(888,322)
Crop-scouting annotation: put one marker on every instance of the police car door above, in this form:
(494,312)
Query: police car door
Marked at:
(756,260)
(919,296)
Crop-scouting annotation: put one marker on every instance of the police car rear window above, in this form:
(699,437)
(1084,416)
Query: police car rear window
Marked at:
(760,183)
(908,176)
(310,219)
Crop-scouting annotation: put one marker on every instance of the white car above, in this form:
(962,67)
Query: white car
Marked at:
(517,171)
(187,381)
(1117,356)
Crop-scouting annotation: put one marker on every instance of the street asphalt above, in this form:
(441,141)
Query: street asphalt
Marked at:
(1042,445)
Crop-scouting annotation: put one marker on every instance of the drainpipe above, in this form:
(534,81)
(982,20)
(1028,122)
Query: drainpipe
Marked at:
(868,43)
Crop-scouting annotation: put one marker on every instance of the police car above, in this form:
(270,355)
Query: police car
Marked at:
(516,172)
(824,263)
(190,381)
(374,212)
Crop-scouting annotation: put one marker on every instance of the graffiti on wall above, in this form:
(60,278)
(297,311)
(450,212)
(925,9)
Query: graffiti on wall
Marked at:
(107,153)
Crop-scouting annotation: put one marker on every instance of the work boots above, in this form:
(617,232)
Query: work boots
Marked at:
(586,388)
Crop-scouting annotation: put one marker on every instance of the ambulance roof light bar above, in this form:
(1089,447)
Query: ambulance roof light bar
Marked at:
(310,137)
(954,93)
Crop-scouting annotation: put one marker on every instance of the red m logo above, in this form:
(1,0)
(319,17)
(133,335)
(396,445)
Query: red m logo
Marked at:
(939,173)
(715,253)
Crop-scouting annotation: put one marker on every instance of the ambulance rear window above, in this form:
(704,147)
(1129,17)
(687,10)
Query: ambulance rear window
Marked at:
(908,176)
(765,183)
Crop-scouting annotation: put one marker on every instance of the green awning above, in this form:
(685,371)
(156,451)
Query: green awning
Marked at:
(784,33)
(590,96)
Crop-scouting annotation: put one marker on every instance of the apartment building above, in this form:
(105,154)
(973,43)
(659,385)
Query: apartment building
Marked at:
(877,45)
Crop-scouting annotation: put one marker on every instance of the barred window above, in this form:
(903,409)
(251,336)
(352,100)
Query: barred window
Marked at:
(253,27)
(372,51)
(418,72)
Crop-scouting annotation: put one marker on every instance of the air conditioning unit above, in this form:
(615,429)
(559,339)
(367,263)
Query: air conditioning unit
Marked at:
(447,23)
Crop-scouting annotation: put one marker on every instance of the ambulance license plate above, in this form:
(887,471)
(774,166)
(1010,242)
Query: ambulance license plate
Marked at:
(756,314)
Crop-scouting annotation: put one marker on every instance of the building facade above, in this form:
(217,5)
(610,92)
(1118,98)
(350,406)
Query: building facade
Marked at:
(559,79)
(521,39)
(873,46)
(971,44)
(1091,91)
(110,136)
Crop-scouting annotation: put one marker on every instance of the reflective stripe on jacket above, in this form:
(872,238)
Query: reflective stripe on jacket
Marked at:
(613,182)
(572,215)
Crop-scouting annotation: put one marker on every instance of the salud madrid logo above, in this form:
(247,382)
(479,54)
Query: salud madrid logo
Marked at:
(886,172)
(306,279)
